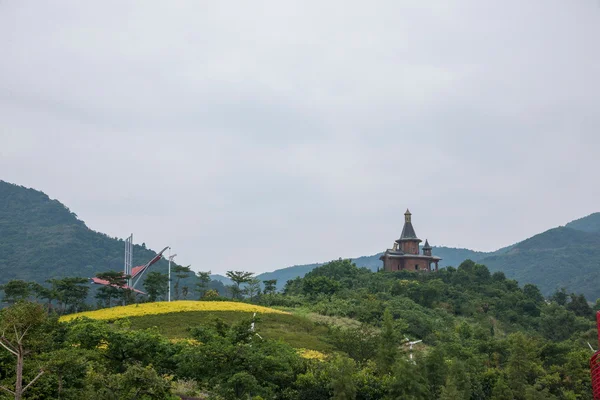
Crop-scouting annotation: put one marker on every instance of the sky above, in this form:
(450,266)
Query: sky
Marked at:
(258,135)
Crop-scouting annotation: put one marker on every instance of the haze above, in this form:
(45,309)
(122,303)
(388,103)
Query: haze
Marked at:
(258,135)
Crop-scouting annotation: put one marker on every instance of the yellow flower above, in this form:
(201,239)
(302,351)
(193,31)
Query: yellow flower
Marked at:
(191,342)
(311,354)
(137,310)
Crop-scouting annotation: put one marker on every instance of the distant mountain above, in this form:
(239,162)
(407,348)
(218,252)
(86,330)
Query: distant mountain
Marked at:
(591,223)
(41,238)
(561,257)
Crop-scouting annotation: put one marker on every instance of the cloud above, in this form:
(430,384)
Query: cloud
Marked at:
(259,135)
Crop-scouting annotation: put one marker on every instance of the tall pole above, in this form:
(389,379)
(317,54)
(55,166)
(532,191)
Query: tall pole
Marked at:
(170,259)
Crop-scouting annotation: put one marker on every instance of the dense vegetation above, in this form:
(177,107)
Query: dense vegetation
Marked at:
(483,337)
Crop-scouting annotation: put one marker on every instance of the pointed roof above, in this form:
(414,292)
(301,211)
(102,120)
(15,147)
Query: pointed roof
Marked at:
(408,232)
(426,246)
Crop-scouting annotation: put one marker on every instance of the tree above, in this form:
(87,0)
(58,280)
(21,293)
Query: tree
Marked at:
(156,285)
(71,292)
(253,288)
(136,382)
(16,290)
(234,291)
(408,382)
(203,282)
(210,294)
(181,272)
(458,385)
(69,366)
(342,378)
(436,370)
(315,285)
(19,326)
(501,390)
(238,278)
(560,296)
(580,306)
(114,289)
(533,293)
(387,350)
(523,364)
(44,293)
(359,343)
(270,286)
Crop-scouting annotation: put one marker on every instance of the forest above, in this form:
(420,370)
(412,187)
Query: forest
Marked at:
(482,336)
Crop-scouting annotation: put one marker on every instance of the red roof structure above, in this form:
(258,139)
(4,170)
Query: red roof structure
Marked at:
(136,272)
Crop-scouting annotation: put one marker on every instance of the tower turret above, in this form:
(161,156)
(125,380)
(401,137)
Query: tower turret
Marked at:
(409,242)
(426,248)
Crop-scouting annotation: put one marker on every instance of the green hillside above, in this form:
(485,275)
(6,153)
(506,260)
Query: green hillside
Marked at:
(40,238)
(559,257)
(591,223)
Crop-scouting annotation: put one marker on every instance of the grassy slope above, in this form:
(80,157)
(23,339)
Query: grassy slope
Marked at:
(298,331)
(173,319)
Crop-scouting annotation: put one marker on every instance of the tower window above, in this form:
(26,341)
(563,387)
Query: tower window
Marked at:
(416,267)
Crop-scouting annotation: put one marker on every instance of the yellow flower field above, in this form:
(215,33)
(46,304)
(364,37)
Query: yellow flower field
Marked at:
(311,354)
(137,310)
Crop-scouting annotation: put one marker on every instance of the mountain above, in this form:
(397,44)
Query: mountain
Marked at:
(591,223)
(560,257)
(566,257)
(41,238)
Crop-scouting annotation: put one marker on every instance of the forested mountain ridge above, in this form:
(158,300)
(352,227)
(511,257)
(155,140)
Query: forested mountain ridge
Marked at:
(41,238)
(567,256)
(559,257)
(591,223)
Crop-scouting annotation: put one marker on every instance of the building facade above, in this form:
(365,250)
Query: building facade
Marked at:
(405,254)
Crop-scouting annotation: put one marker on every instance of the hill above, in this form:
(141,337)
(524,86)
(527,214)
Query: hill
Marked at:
(566,257)
(174,320)
(450,256)
(559,257)
(591,223)
(40,238)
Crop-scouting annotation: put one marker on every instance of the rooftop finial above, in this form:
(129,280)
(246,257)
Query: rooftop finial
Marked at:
(407,215)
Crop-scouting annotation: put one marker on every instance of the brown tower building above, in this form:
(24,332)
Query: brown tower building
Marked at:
(405,253)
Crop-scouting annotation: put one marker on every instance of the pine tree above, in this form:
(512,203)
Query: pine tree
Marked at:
(387,350)
(343,382)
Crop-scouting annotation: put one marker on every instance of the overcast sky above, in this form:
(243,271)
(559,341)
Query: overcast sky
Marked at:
(255,135)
